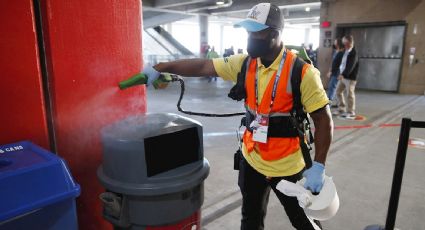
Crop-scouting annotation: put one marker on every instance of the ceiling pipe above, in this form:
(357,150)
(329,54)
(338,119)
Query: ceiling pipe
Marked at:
(213,7)
(312,5)
(147,8)
(181,3)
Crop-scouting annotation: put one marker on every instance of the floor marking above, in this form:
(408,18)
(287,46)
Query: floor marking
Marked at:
(417,143)
(353,126)
(339,127)
(389,125)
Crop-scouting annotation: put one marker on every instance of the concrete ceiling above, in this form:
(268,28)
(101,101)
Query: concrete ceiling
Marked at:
(158,12)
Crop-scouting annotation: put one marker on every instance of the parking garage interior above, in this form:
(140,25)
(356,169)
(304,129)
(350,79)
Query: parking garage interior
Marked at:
(61,63)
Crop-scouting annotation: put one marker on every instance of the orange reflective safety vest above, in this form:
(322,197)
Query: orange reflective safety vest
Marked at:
(278,146)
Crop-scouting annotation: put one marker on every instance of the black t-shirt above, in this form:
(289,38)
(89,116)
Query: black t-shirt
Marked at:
(336,62)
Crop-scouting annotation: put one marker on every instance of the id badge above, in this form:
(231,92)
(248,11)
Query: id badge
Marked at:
(260,127)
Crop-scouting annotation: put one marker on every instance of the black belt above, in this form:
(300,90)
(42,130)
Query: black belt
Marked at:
(279,126)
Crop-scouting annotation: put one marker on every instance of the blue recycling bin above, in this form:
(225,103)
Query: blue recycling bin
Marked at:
(37,190)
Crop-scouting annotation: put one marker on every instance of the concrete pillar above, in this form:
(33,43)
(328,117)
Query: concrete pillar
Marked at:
(23,115)
(307,37)
(85,96)
(203,28)
(169,28)
(221,50)
(324,56)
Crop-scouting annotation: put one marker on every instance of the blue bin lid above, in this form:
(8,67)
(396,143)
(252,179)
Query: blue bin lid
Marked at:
(32,178)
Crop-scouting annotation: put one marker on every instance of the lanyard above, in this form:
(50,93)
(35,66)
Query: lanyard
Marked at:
(276,82)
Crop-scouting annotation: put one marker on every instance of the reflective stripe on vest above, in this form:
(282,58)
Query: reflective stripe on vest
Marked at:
(276,147)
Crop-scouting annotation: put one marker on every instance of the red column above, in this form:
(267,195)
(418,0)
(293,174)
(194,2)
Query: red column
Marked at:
(22,114)
(91,45)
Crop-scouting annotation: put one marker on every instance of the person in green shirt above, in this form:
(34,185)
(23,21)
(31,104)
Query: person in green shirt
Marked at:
(211,55)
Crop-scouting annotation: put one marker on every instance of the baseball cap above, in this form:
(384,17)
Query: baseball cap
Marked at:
(262,16)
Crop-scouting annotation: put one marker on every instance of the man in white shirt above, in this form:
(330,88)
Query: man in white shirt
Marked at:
(347,80)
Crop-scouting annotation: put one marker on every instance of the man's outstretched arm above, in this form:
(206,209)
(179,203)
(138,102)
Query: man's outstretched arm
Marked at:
(188,67)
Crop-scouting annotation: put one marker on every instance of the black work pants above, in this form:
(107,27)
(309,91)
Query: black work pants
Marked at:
(255,189)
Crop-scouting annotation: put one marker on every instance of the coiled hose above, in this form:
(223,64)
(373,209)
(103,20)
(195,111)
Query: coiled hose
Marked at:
(180,109)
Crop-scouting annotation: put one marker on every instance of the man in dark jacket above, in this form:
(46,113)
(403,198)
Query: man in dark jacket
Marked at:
(347,79)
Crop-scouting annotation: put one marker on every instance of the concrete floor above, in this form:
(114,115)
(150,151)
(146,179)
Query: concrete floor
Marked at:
(361,159)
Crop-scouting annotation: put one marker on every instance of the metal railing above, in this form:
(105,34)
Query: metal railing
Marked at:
(400,161)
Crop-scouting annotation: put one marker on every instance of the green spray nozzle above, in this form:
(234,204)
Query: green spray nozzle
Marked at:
(138,79)
(141,79)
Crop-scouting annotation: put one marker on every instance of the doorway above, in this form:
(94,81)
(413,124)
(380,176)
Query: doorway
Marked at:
(380,50)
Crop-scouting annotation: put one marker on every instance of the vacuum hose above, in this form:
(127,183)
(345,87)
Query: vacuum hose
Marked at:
(179,108)
(161,82)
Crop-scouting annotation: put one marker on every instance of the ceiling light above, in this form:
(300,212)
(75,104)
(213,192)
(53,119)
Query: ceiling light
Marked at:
(220,2)
(307,9)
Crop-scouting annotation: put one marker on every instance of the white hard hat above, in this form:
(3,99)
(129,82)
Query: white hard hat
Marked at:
(319,207)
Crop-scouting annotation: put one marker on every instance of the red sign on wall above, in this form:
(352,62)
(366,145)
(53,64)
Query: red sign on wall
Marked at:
(325,24)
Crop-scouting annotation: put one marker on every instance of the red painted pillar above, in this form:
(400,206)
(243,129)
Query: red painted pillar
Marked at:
(90,46)
(22,113)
